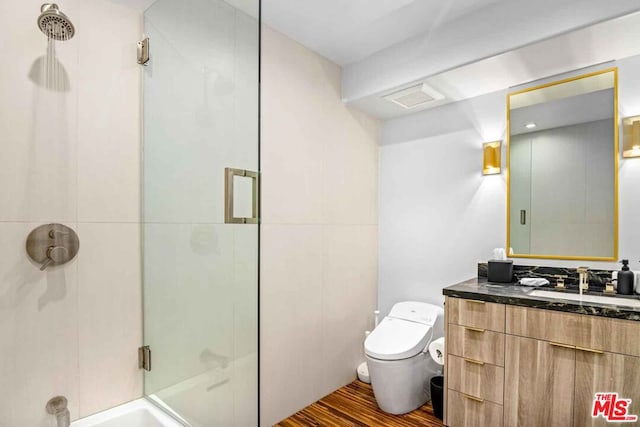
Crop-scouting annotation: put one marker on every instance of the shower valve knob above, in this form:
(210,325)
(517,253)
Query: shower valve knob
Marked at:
(52,244)
(54,233)
(55,255)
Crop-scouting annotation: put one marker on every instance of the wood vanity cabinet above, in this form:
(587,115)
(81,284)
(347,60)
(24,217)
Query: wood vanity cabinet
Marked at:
(539,383)
(597,372)
(517,366)
(474,366)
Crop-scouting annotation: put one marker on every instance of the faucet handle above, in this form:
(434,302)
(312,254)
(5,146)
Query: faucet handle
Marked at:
(560,281)
(55,255)
(53,233)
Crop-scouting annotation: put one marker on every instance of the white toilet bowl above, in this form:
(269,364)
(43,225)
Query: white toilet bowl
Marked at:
(399,365)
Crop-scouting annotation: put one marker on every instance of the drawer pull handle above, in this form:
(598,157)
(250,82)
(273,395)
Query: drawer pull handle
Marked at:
(468,328)
(590,350)
(557,344)
(476,399)
(474,301)
(475,362)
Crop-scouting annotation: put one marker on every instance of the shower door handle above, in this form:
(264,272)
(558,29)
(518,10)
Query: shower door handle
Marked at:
(229,179)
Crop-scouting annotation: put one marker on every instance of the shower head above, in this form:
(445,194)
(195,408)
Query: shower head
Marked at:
(55,24)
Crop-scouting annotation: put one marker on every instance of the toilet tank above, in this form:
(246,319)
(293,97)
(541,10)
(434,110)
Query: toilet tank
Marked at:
(420,312)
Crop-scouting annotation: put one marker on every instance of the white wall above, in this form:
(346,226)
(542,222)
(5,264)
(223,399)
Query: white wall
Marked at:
(439,216)
(70,154)
(319,230)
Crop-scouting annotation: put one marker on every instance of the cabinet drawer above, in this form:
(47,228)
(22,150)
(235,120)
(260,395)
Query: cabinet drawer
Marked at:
(477,314)
(590,332)
(475,378)
(476,343)
(463,410)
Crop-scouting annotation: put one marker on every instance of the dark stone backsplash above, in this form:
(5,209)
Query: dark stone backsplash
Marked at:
(597,278)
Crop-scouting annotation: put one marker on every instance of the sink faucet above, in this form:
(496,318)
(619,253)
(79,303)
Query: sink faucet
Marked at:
(583,283)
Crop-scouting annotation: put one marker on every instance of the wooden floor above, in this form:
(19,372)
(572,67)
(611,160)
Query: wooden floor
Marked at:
(354,405)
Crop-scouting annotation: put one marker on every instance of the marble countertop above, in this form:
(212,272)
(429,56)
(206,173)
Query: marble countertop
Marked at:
(504,293)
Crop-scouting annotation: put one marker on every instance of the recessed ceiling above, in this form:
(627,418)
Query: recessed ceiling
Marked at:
(389,45)
(346,31)
(552,57)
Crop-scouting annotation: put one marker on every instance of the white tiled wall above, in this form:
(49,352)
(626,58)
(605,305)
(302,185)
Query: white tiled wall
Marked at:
(319,163)
(70,155)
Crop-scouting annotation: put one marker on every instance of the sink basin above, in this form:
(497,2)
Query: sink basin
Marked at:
(623,302)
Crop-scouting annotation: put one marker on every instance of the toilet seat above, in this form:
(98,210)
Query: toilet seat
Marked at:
(397,339)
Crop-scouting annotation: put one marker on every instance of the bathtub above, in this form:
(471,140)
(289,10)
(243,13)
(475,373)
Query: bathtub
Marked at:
(139,413)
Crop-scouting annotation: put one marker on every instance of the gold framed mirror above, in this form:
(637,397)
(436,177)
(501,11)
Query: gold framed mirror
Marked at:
(562,169)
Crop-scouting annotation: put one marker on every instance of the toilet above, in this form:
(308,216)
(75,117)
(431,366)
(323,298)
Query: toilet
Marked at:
(396,353)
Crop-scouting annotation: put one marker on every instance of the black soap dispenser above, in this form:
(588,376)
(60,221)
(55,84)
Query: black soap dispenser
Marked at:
(626,279)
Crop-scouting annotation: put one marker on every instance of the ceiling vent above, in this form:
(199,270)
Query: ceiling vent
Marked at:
(414,96)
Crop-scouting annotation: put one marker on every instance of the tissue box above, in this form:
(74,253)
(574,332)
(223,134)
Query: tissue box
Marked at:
(500,271)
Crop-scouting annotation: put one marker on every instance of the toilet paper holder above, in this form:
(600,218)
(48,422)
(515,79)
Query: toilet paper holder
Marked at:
(436,350)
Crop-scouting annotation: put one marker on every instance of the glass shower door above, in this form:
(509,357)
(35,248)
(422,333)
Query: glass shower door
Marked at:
(200,270)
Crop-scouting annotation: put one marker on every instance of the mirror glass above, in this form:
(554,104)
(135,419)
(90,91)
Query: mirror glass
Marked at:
(562,169)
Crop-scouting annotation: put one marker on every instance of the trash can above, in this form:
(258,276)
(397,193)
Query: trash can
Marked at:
(437,384)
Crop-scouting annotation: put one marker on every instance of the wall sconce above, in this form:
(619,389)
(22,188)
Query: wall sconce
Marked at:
(631,137)
(491,154)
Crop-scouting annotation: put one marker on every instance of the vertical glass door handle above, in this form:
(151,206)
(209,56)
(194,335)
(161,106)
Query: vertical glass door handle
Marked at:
(229,179)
